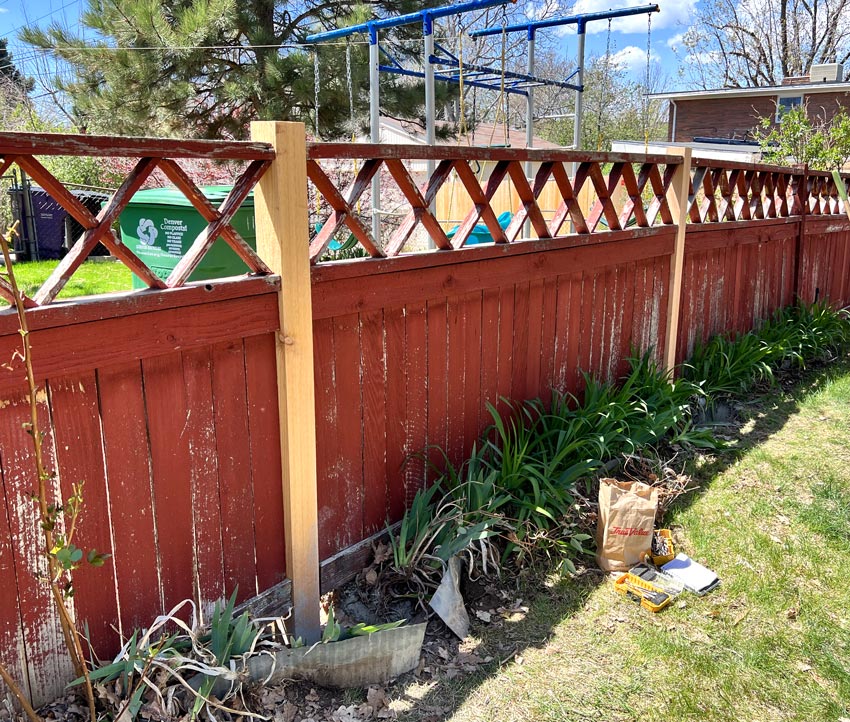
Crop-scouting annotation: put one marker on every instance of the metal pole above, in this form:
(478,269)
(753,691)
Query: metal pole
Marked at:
(579,93)
(430,98)
(529,119)
(375,126)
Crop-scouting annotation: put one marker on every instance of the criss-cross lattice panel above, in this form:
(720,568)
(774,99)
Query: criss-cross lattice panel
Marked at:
(725,191)
(568,193)
(153,156)
(824,195)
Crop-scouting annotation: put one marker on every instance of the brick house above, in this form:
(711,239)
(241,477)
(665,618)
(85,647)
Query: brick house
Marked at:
(730,114)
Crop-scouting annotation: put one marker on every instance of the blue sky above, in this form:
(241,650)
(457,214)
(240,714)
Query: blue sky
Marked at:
(628,39)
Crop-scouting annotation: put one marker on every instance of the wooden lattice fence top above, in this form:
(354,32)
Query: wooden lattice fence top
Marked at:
(641,175)
(733,191)
(720,191)
(22,150)
(624,190)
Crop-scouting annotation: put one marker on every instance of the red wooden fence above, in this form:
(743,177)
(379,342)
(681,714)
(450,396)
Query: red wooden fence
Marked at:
(165,406)
(164,401)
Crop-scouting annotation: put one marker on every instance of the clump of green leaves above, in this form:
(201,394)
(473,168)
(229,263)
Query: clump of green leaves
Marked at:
(732,365)
(335,632)
(801,137)
(523,482)
(178,672)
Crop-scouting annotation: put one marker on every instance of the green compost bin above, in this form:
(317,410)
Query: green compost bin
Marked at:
(160,224)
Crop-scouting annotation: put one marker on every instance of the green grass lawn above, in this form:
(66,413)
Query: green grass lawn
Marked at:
(91,278)
(772,643)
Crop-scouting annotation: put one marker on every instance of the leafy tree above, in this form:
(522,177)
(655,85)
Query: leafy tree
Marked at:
(615,108)
(753,43)
(800,138)
(208,67)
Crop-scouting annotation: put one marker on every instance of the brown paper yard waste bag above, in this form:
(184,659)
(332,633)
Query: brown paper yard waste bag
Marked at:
(625,524)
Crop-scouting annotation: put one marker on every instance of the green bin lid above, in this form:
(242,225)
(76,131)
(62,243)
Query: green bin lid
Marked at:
(172,196)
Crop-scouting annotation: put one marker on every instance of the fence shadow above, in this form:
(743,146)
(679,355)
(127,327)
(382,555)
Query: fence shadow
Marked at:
(761,417)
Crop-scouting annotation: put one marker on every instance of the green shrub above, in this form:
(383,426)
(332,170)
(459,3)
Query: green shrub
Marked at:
(795,335)
(521,481)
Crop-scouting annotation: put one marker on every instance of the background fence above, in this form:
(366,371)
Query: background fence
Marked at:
(167,402)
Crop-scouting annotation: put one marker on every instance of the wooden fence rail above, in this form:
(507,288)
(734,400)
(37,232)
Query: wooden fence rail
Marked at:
(206,418)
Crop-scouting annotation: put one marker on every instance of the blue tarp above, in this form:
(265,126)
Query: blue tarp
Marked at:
(480,234)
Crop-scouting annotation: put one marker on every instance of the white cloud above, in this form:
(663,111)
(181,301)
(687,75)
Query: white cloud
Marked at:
(673,13)
(632,58)
(4,10)
(675,42)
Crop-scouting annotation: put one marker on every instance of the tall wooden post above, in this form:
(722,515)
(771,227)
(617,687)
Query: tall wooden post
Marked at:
(679,210)
(283,243)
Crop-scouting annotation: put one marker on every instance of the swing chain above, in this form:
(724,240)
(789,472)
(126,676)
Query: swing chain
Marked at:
(503,96)
(316,90)
(602,98)
(646,94)
(462,127)
(351,118)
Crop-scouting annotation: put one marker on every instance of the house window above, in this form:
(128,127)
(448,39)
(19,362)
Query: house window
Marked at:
(786,103)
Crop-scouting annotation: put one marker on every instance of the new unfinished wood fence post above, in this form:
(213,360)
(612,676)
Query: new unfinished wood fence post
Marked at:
(679,210)
(283,243)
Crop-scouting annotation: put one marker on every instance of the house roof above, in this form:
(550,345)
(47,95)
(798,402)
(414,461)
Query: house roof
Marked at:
(484,134)
(770,90)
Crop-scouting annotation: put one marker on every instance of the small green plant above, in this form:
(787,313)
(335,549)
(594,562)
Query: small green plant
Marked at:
(148,663)
(229,637)
(334,632)
(730,366)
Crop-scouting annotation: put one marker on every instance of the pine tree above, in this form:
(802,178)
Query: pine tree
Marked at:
(209,67)
(10,72)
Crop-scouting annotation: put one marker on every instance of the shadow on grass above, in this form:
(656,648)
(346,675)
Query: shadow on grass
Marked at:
(758,418)
(502,643)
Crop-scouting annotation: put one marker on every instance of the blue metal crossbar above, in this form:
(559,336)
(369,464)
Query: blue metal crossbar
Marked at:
(424,16)
(514,78)
(579,20)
